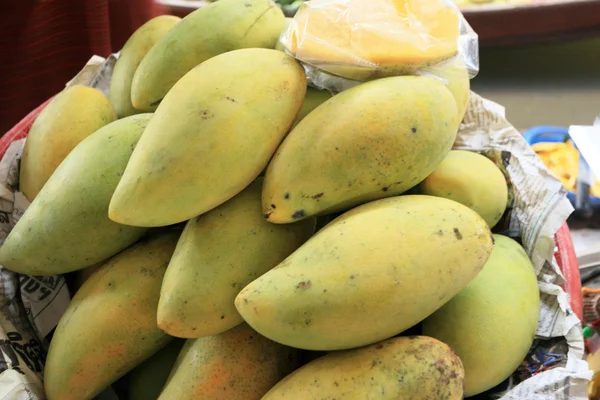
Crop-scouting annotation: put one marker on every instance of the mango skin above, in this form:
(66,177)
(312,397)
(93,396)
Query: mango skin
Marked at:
(74,114)
(414,367)
(456,76)
(344,153)
(238,364)
(66,227)
(210,137)
(146,381)
(205,33)
(110,325)
(494,318)
(312,99)
(134,50)
(471,179)
(368,275)
(218,254)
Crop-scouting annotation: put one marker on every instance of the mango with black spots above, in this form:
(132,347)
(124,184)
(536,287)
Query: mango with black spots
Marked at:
(370,274)
(494,317)
(109,326)
(238,364)
(413,367)
(209,31)
(211,137)
(375,140)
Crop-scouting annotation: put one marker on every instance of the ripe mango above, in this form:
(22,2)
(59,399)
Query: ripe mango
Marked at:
(312,99)
(210,137)
(110,325)
(344,153)
(146,381)
(238,364)
(205,33)
(471,179)
(66,227)
(491,323)
(414,367)
(74,114)
(134,50)
(369,274)
(218,254)
(456,76)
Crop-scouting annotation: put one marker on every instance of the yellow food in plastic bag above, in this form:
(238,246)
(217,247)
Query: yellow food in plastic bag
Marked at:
(563,160)
(364,38)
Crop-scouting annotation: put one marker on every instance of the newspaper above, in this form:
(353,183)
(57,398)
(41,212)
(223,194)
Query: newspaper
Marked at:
(537,208)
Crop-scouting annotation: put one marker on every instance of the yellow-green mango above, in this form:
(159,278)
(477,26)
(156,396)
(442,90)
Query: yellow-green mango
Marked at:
(146,381)
(210,137)
(491,323)
(205,33)
(218,254)
(134,50)
(66,227)
(375,140)
(74,114)
(413,367)
(109,326)
(370,274)
(456,77)
(279,45)
(238,364)
(312,99)
(470,179)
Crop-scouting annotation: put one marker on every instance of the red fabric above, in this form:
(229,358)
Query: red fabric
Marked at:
(44,43)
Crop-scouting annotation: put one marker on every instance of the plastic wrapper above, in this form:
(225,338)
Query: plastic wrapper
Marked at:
(343,42)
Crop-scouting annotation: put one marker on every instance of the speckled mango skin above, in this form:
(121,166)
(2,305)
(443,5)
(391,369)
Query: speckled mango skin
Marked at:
(494,317)
(132,54)
(211,137)
(223,26)
(66,227)
(370,274)
(219,253)
(73,115)
(238,364)
(345,153)
(109,326)
(413,367)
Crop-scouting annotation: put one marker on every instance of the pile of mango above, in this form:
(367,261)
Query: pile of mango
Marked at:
(239,235)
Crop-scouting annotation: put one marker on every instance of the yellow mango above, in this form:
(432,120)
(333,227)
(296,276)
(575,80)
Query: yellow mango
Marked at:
(360,39)
(134,50)
(66,227)
(471,179)
(312,99)
(369,274)
(456,77)
(74,114)
(375,140)
(491,323)
(238,364)
(218,254)
(109,326)
(414,367)
(210,137)
(205,33)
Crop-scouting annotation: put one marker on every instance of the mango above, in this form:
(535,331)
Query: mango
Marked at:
(218,254)
(362,40)
(312,99)
(471,179)
(146,381)
(210,137)
(455,75)
(344,153)
(109,326)
(415,367)
(71,116)
(238,364)
(66,227)
(205,33)
(494,317)
(369,274)
(134,50)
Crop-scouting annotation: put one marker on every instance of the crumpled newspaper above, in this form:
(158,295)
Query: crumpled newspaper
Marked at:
(32,306)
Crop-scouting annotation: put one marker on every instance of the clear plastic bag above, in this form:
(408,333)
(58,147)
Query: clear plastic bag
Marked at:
(344,42)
